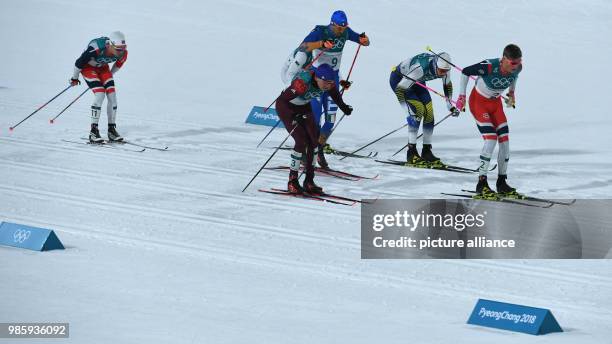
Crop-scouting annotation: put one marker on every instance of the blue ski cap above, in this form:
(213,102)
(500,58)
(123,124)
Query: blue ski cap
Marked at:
(339,18)
(325,72)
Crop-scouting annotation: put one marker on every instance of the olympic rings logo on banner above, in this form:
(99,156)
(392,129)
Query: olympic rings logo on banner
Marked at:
(21,235)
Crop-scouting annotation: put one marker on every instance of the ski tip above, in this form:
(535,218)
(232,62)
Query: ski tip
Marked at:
(51,121)
(11,129)
(428,48)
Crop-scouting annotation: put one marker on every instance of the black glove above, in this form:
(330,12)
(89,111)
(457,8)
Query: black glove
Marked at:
(454,111)
(345,84)
(299,118)
(347,109)
(74,82)
(363,39)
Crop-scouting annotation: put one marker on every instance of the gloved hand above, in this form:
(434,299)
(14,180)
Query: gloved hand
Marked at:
(345,84)
(298,119)
(454,112)
(347,109)
(74,82)
(460,103)
(364,40)
(299,87)
(510,100)
(327,44)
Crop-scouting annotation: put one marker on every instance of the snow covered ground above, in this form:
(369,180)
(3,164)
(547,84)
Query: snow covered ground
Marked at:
(163,247)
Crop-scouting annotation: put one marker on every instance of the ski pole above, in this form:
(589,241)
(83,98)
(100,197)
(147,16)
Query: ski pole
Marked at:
(266,110)
(342,91)
(40,108)
(270,158)
(428,48)
(268,134)
(52,120)
(418,137)
(428,88)
(378,139)
(351,69)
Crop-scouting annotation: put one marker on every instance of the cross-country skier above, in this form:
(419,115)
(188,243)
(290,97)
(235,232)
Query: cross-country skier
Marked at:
(416,101)
(329,40)
(494,76)
(93,65)
(294,109)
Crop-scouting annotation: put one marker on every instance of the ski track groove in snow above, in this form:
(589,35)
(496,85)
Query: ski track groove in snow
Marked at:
(552,273)
(135,156)
(132,157)
(558,274)
(245,199)
(372,278)
(197,219)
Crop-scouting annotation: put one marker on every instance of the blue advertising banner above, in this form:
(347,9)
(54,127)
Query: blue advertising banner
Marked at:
(31,238)
(259,116)
(511,317)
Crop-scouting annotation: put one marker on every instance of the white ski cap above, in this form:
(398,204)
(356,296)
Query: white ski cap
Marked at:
(443,61)
(117,38)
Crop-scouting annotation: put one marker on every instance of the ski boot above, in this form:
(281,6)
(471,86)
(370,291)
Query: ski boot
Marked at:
(413,158)
(293,186)
(428,156)
(321,158)
(113,135)
(483,191)
(505,190)
(309,185)
(94,134)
